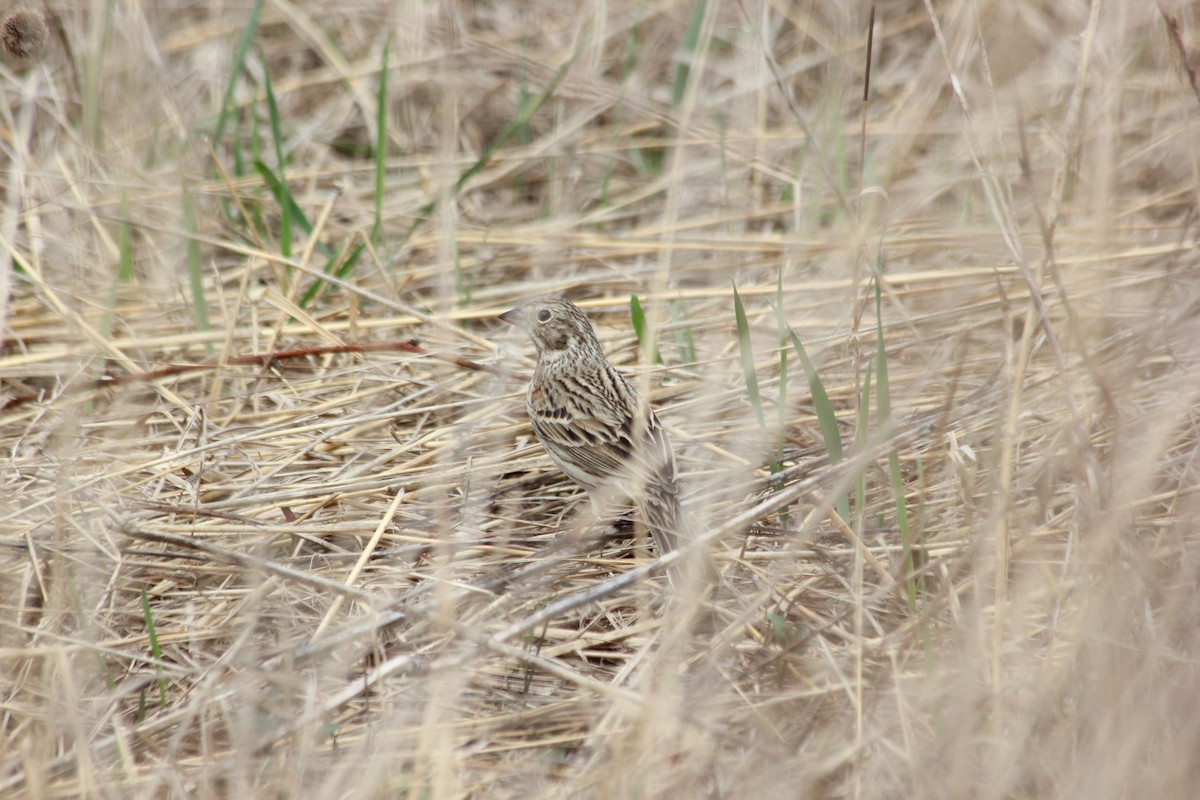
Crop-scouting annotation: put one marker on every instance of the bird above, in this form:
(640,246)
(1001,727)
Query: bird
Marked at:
(596,427)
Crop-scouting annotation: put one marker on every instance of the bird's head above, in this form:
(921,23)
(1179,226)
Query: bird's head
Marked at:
(555,325)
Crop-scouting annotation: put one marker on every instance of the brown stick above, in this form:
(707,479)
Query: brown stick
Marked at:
(256,359)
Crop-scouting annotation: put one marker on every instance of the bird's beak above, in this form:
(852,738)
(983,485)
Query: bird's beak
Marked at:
(512,317)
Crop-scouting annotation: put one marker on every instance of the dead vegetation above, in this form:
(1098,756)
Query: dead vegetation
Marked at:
(272,528)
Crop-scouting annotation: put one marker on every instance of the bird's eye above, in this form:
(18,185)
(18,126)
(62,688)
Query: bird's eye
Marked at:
(543,316)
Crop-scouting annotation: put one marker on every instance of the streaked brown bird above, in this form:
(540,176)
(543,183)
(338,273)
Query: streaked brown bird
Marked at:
(595,426)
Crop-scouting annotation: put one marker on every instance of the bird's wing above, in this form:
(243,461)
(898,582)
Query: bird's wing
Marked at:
(599,432)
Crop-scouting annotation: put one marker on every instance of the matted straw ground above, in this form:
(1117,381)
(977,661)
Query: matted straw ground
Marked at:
(352,572)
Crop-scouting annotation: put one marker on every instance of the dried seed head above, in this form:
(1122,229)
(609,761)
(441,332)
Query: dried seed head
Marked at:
(23,33)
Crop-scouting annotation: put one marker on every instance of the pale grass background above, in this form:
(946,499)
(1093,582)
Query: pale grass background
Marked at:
(1049,470)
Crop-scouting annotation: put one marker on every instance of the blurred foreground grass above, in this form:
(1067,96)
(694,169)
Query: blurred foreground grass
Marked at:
(272,521)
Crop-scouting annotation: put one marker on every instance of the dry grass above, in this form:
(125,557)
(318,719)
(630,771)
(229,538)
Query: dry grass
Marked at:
(349,572)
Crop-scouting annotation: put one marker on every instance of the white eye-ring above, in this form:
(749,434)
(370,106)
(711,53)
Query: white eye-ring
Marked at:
(543,316)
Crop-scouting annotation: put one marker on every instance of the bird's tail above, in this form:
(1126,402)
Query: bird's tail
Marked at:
(671,528)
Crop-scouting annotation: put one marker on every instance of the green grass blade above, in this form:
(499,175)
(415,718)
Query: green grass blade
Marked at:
(863,425)
(352,261)
(638,317)
(125,243)
(784,632)
(155,650)
(239,163)
(124,273)
(286,203)
(883,397)
(95,76)
(239,63)
(256,149)
(281,195)
(464,283)
(884,413)
(381,143)
(826,418)
(316,289)
(781,400)
(687,49)
(685,337)
(284,198)
(902,521)
(744,344)
(781,323)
